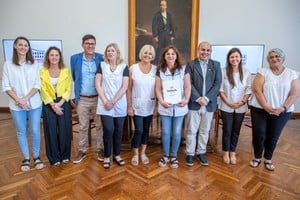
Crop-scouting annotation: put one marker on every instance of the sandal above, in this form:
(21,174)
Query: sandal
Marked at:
(269,165)
(25,166)
(135,160)
(163,161)
(106,165)
(38,164)
(255,163)
(174,163)
(119,161)
(145,159)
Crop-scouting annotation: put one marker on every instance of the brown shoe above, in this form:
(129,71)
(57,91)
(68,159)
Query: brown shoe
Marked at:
(80,156)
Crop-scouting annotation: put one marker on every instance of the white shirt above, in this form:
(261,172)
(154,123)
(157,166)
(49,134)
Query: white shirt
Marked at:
(21,79)
(236,93)
(143,90)
(276,88)
(111,84)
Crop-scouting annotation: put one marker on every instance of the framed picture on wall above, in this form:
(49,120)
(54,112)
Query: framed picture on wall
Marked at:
(38,47)
(184,16)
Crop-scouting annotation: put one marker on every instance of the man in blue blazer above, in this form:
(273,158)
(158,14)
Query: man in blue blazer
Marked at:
(83,67)
(206,78)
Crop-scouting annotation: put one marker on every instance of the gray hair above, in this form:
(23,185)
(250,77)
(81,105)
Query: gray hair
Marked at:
(277,51)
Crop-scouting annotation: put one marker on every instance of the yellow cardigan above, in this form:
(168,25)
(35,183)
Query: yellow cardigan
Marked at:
(63,87)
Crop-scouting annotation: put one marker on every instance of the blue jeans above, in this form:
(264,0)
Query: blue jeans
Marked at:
(34,119)
(171,128)
(141,132)
(266,130)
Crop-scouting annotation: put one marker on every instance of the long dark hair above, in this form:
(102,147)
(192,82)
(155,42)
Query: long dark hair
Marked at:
(47,61)
(162,65)
(15,57)
(229,70)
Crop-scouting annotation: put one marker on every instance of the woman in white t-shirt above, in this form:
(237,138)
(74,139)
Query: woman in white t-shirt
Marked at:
(141,101)
(21,81)
(234,93)
(111,84)
(275,90)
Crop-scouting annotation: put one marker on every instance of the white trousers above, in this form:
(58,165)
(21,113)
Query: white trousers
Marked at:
(197,129)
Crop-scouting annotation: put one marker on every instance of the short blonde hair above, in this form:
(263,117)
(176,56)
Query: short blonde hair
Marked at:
(147,47)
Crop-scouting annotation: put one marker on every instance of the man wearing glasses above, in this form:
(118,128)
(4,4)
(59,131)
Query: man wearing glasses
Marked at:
(84,66)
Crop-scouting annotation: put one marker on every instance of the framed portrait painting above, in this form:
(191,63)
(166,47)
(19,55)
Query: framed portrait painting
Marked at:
(179,24)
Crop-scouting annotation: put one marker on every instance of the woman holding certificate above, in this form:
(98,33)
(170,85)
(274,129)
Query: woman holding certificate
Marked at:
(173,90)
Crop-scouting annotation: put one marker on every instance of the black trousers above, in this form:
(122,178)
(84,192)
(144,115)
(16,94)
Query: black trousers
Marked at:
(141,132)
(57,132)
(232,123)
(266,130)
(112,134)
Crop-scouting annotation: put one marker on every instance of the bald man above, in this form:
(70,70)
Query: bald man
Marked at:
(206,78)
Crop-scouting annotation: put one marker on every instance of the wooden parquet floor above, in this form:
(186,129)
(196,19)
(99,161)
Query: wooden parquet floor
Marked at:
(89,180)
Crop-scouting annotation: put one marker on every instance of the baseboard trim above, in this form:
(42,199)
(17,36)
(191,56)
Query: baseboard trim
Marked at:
(4,109)
(295,115)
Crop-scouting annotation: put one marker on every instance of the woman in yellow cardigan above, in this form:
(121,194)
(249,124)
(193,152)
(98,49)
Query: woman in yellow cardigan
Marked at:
(56,83)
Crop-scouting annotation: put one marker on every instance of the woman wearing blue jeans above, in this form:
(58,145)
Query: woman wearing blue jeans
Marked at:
(21,82)
(173,90)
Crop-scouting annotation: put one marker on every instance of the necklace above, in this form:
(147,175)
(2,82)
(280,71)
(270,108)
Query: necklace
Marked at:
(112,68)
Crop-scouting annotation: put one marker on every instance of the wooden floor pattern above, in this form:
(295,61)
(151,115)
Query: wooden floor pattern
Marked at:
(89,180)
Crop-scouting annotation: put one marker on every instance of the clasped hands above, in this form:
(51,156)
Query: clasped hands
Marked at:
(236,105)
(57,108)
(202,101)
(168,105)
(22,103)
(108,105)
(274,111)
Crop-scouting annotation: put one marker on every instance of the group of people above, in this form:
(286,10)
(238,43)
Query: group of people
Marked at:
(185,96)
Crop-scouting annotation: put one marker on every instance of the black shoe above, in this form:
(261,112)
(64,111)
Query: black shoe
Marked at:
(189,161)
(202,159)
(81,155)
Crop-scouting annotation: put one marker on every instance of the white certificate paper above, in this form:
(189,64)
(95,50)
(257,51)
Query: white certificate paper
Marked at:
(172,91)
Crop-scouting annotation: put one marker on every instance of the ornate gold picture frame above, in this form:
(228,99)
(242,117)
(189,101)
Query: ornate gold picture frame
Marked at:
(139,10)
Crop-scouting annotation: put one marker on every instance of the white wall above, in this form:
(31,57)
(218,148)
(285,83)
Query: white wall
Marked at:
(275,23)
(67,20)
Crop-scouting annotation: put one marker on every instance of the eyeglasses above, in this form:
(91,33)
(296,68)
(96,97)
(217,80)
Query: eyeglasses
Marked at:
(89,44)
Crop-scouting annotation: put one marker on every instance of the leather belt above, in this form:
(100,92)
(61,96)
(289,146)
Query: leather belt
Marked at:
(91,96)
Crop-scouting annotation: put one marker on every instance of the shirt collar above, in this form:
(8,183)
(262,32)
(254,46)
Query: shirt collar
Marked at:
(84,58)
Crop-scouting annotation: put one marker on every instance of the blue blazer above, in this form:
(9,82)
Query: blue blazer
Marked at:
(213,82)
(76,70)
